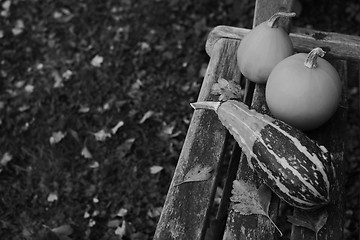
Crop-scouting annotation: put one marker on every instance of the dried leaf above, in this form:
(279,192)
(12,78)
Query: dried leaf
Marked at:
(314,220)
(97,61)
(63,230)
(67,74)
(86,214)
(63,15)
(226,89)
(122,212)
(58,79)
(94,165)
(18,28)
(29,88)
(249,200)
(6,158)
(146,116)
(84,109)
(57,137)
(102,135)
(52,197)
(156,169)
(121,230)
(117,126)
(86,153)
(197,174)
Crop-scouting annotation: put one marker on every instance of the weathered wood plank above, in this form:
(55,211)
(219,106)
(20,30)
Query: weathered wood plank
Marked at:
(186,209)
(335,44)
(255,226)
(338,45)
(331,135)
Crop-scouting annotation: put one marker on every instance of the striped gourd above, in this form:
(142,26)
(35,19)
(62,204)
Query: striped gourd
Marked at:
(295,167)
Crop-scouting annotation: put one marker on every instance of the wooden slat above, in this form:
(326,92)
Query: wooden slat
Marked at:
(254,227)
(186,209)
(337,45)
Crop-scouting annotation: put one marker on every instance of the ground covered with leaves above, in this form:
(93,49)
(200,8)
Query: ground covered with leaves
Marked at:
(94,103)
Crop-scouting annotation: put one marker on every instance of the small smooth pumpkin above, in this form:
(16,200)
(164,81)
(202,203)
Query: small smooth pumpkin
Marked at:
(304,90)
(264,47)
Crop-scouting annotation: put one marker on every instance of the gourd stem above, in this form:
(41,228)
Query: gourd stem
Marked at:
(206,105)
(311,58)
(272,22)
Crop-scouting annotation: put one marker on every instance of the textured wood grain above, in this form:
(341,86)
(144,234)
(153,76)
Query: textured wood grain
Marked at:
(340,46)
(186,209)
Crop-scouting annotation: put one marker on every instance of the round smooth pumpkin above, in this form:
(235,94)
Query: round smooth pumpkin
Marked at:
(262,48)
(304,90)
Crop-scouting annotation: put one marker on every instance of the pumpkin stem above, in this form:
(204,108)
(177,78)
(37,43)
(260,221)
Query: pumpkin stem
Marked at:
(311,58)
(206,105)
(272,22)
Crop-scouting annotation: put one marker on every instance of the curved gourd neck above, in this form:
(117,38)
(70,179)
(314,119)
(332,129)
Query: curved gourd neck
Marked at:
(273,20)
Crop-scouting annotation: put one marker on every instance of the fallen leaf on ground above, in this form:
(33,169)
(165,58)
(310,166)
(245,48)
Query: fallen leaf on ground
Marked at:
(86,153)
(94,165)
(18,28)
(58,79)
(117,126)
(146,116)
(168,129)
(102,135)
(52,197)
(156,169)
(197,174)
(313,220)
(57,137)
(29,88)
(84,109)
(226,89)
(121,230)
(63,230)
(67,74)
(250,200)
(97,61)
(6,158)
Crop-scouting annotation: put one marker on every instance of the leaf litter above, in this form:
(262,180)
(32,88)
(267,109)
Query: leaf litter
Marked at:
(250,200)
